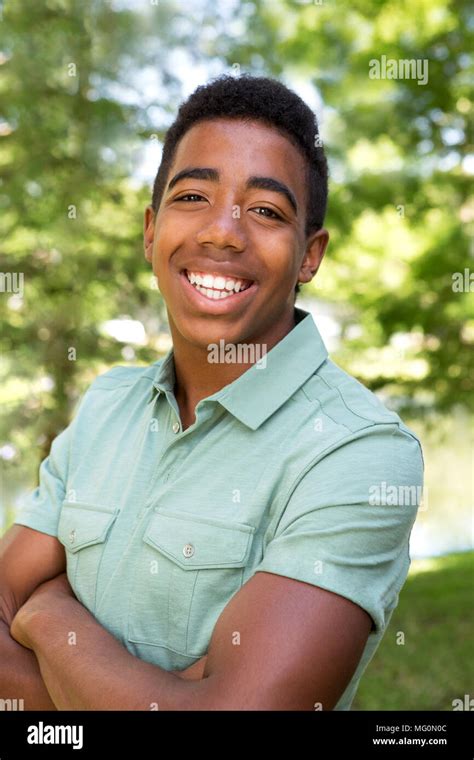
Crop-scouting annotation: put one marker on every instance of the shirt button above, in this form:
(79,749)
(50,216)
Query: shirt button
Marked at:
(188,550)
(176,427)
(72,536)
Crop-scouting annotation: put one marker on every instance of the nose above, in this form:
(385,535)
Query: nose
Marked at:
(223,228)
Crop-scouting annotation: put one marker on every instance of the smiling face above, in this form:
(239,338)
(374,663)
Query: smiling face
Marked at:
(228,245)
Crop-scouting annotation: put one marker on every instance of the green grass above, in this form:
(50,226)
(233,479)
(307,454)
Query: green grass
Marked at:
(436,663)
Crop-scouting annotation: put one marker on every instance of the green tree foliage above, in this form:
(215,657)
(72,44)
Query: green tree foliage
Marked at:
(71,221)
(400,214)
(76,111)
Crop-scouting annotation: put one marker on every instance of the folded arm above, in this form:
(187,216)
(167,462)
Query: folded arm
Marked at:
(28,559)
(280,644)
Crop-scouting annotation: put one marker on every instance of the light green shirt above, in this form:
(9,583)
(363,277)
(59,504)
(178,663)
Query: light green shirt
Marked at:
(295,468)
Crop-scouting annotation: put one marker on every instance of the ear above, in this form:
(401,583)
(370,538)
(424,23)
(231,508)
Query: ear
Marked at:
(315,249)
(148,232)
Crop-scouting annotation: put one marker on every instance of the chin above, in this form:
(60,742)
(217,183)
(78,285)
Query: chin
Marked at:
(201,333)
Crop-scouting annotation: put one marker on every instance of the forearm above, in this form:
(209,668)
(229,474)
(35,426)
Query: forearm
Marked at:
(93,671)
(20,676)
(193,672)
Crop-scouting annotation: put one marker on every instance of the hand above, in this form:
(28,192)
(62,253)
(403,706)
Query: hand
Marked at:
(45,597)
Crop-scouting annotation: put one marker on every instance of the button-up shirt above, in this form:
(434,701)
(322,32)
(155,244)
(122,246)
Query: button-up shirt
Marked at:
(294,468)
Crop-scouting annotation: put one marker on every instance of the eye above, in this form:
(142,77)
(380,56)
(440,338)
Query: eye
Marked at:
(190,195)
(270,211)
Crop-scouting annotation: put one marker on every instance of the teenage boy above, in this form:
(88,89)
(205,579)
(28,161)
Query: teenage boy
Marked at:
(224,523)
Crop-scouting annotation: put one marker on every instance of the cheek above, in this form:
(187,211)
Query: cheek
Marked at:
(280,258)
(165,243)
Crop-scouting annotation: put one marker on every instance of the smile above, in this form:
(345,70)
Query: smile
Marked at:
(217,287)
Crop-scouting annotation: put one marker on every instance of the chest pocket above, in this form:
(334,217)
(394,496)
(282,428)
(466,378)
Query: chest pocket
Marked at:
(83,530)
(188,569)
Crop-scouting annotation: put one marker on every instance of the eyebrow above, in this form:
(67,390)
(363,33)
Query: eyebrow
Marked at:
(259,183)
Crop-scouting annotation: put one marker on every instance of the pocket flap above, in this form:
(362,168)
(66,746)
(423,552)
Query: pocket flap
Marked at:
(194,543)
(82,525)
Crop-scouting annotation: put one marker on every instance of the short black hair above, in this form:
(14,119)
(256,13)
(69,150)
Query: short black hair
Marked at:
(261,99)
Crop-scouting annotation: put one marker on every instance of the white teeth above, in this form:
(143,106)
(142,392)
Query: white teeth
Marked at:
(218,286)
(214,294)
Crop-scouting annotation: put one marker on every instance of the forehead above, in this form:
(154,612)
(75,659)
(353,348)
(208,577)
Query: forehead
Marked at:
(239,148)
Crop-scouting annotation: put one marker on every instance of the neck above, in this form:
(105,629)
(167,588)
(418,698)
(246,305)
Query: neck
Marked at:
(197,378)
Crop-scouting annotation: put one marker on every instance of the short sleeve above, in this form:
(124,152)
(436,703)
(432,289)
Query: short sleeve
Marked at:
(347,523)
(41,508)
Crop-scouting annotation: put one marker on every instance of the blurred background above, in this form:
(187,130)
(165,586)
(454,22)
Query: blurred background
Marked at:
(87,91)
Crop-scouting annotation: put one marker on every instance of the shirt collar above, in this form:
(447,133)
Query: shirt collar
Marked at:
(261,390)
(164,378)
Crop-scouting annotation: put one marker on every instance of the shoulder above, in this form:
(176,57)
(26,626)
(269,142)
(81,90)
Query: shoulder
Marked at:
(115,382)
(123,376)
(345,399)
(371,439)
